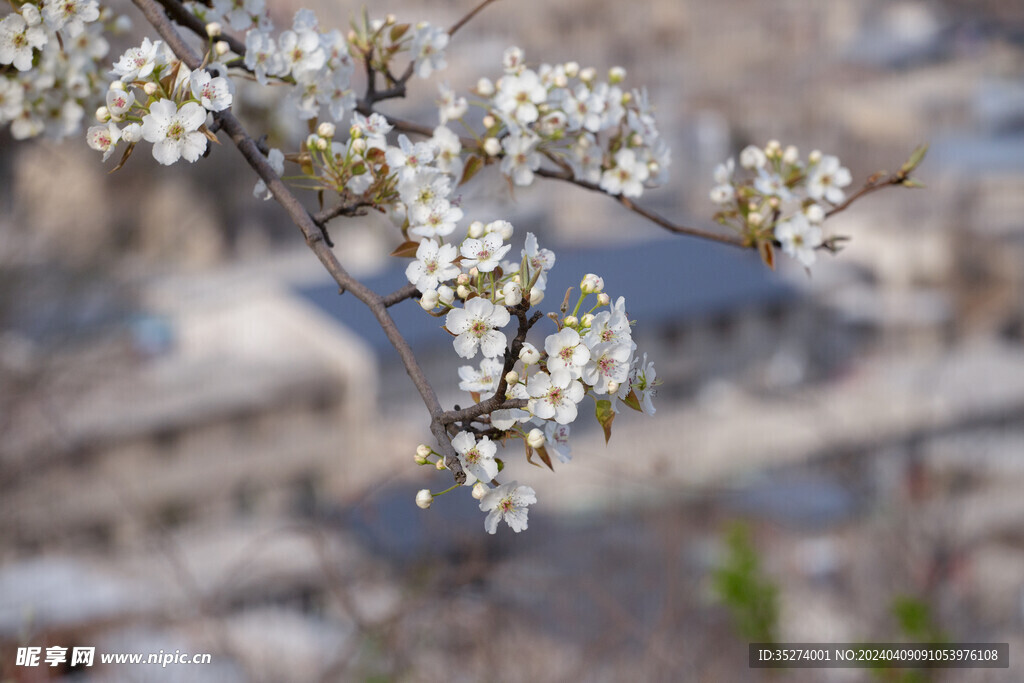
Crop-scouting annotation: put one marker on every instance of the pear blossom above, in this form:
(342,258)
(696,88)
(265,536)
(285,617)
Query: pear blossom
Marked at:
(475,326)
(276,160)
(556,437)
(752,158)
(433,265)
(521,157)
(477,458)
(103,138)
(175,132)
(799,238)
(213,93)
(70,15)
(450,107)
(239,13)
(137,63)
(408,158)
(554,395)
(642,381)
(519,95)
(772,185)
(448,147)
(119,101)
(428,44)
(483,380)
(17,41)
(827,179)
(484,253)
(507,502)
(537,260)
(586,159)
(303,56)
(609,362)
(566,351)
(262,56)
(627,176)
(436,219)
(609,327)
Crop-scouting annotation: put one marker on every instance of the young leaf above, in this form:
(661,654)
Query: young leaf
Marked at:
(767,252)
(543,453)
(406,249)
(473,164)
(633,402)
(605,416)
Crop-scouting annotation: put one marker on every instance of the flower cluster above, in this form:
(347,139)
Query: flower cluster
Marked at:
(782,200)
(478,291)
(605,134)
(159,100)
(55,48)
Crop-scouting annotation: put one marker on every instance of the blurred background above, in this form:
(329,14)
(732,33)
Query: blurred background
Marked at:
(204,448)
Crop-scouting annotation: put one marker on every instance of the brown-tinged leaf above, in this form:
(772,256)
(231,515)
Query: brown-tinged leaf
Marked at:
(529,454)
(605,416)
(565,302)
(375,156)
(124,157)
(475,395)
(406,249)
(543,453)
(633,402)
(320,199)
(209,136)
(767,252)
(473,164)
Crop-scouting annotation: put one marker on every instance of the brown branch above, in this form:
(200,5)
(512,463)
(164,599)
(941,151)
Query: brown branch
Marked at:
(873,184)
(465,20)
(398,296)
(177,12)
(315,239)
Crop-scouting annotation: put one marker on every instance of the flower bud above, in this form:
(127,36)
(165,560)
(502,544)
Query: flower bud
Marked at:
(445,294)
(462,279)
(587,320)
(213,29)
(102,114)
(511,377)
(773,202)
(355,132)
(221,47)
(653,167)
(439,464)
(424,498)
(613,386)
(616,75)
(474,273)
(485,88)
(512,293)
(311,140)
(535,438)
(420,459)
(814,157)
(773,148)
(572,69)
(116,85)
(529,354)
(488,121)
(476,230)
(428,300)
(755,219)
(480,490)
(358,145)
(492,147)
(149,88)
(791,155)
(591,284)
(376,25)
(462,291)
(635,140)
(603,299)
(326,129)
(571,321)
(323,144)
(752,157)
(588,74)
(423,450)
(814,212)
(122,24)
(390,19)
(131,133)
(501,227)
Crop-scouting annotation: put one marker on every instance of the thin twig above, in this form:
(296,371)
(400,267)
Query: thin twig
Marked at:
(398,296)
(315,239)
(472,13)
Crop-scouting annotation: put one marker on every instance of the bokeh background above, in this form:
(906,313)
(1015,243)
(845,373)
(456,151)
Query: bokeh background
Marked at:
(204,448)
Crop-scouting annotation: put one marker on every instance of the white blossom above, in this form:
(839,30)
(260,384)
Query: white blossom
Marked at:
(475,326)
(428,44)
(103,138)
(477,458)
(827,179)
(175,132)
(213,93)
(433,265)
(276,160)
(507,502)
(17,41)
(554,395)
(566,351)
(799,238)
(627,176)
(481,380)
(521,157)
(484,253)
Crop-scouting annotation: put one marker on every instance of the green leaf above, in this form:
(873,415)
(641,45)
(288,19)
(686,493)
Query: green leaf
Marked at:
(397,31)
(473,164)
(913,182)
(605,416)
(916,157)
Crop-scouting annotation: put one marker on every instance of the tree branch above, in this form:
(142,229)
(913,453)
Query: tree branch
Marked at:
(465,20)
(315,239)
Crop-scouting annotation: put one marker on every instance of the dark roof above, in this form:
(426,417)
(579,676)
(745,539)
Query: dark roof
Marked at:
(664,281)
